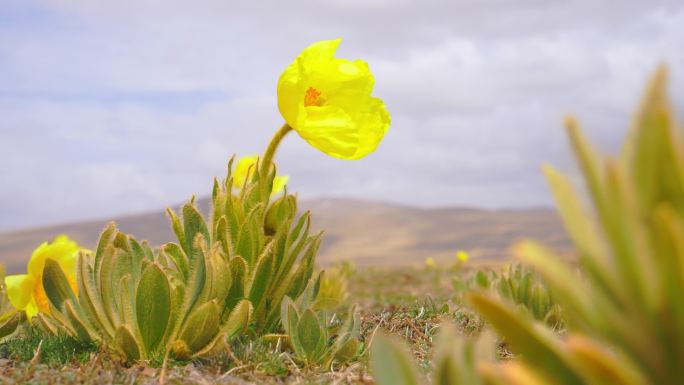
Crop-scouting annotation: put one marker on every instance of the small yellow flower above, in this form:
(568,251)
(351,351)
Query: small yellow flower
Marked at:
(430,262)
(462,256)
(328,102)
(25,291)
(245,169)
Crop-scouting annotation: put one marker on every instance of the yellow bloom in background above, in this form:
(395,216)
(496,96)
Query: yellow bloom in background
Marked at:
(25,291)
(462,256)
(328,102)
(430,262)
(245,169)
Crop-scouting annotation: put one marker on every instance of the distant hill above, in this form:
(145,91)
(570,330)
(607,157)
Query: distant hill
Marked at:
(366,232)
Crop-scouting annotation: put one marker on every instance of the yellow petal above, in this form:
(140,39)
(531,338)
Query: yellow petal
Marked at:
(290,94)
(279,183)
(343,83)
(328,102)
(329,129)
(31,309)
(373,125)
(292,83)
(244,169)
(321,50)
(61,249)
(20,290)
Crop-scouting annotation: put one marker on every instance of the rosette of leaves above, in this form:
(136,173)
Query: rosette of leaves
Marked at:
(480,279)
(521,286)
(144,304)
(333,289)
(10,318)
(268,246)
(314,339)
(186,298)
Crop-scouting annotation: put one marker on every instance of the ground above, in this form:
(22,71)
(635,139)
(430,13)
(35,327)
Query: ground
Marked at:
(409,302)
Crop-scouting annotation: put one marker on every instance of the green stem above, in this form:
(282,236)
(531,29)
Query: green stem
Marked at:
(272,147)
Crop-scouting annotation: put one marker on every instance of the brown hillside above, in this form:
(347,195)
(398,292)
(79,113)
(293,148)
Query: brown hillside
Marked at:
(368,233)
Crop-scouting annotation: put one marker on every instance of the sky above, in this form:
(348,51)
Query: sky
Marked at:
(116,107)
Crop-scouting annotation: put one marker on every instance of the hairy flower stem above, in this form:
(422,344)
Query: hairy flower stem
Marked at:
(272,147)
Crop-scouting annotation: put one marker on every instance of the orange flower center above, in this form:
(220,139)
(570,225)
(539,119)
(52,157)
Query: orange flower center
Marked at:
(312,97)
(41,297)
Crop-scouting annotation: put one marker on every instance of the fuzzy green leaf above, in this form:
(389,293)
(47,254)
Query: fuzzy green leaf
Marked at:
(538,346)
(9,325)
(238,271)
(201,326)
(309,334)
(239,319)
(153,306)
(262,278)
(178,257)
(193,224)
(105,239)
(56,284)
(126,343)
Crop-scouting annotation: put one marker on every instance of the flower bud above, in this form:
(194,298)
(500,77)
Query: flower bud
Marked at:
(282,209)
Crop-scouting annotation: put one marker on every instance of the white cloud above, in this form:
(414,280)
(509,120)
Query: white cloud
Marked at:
(139,104)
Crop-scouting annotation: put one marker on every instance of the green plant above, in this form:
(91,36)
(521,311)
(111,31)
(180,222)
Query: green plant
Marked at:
(313,337)
(626,317)
(518,284)
(187,297)
(521,286)
(334,289)
(269,246)
(142,303)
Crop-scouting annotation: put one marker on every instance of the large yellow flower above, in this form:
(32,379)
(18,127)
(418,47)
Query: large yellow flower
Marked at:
(25,291)
(245,168)
(328,102)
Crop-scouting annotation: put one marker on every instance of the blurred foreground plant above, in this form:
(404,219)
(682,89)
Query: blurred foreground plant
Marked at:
(626,317)
(625,313)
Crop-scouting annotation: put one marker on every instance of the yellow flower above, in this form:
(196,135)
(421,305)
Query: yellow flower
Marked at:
(462,256)
(328,102)
(245,169)
(25,291)
(429,262)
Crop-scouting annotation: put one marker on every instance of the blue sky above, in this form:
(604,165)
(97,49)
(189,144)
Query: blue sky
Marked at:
(114,107)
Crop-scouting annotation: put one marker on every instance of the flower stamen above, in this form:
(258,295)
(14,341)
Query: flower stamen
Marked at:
(312,98)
